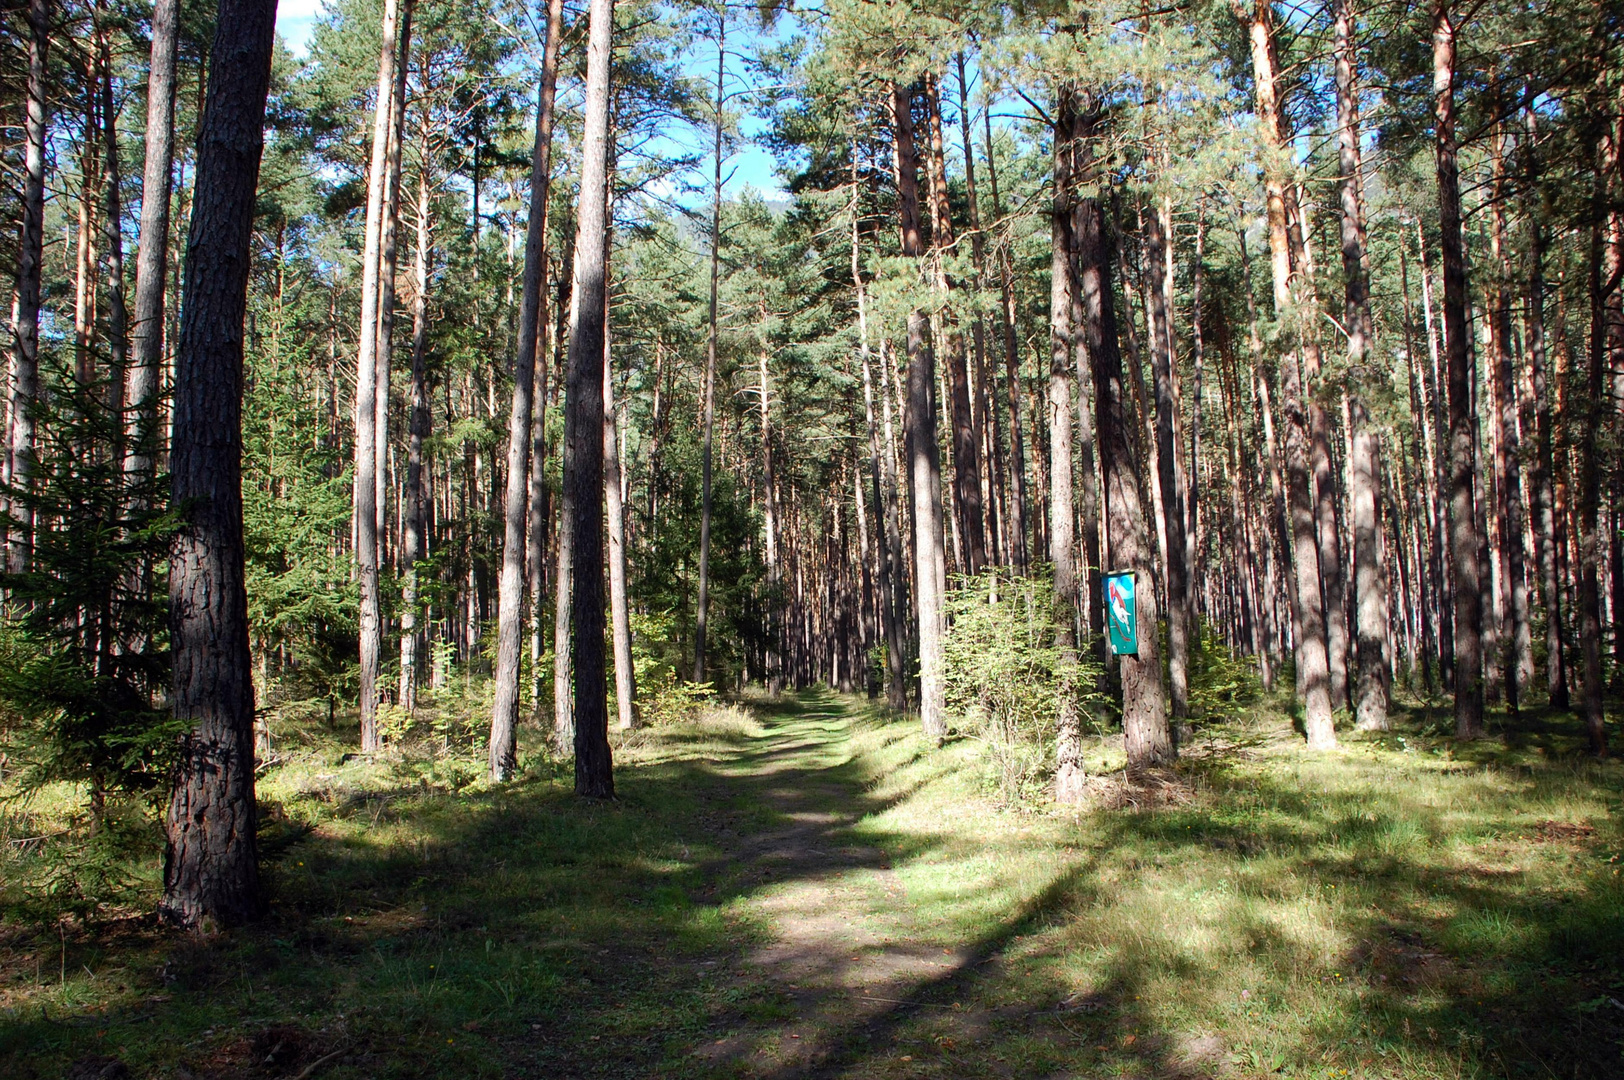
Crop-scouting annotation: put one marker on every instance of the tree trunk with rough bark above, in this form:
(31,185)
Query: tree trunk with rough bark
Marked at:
(583,421)
(30,267)
(152,246)
(1370,575)
(1144,706)
(1463,538)
(366,392)
(516,504)
(1069,773)
(924,460)
(708,405)
(211,867)
(1159,326)
(414,524)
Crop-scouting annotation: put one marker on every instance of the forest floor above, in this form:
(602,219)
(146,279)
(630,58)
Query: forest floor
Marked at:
(808,889)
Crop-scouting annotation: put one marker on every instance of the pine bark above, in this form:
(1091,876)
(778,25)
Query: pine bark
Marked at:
(583,421)
(414,523)
(1370,575)
(366,392)
(152,246)
(614,500)
(1069,774)
(1308,601)
(30,267)
(1159,320)
(708,405)
(516,502)
(1144,707)
(924,457)
(211,871)
(1463,537)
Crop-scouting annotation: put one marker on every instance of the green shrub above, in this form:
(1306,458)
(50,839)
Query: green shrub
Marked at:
(1002,679)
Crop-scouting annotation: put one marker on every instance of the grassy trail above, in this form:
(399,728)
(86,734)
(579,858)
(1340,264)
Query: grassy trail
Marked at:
(807,889)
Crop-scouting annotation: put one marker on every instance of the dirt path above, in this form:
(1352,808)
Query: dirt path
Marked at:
(842,947)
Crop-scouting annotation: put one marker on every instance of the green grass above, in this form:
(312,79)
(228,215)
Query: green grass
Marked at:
(809,889)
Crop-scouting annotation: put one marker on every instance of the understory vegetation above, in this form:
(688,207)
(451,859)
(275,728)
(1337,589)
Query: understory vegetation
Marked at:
(1403,907)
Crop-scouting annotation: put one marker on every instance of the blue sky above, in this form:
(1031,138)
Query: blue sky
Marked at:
(751,165)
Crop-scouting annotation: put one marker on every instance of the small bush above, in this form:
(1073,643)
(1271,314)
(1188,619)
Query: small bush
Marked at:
(1222,684)
(1002,679)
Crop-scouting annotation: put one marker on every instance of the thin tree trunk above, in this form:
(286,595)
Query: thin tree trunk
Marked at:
(1159,319)
(1556,676)
(583,421)
(1370,575)
(924,461)
(152,246)
(1012,368)
(1519,643)
(113,233)
(708,406)
(30,266)
(1462,424)
(516,504)
(211,869)
(388,259)
(366,393)
(415,518)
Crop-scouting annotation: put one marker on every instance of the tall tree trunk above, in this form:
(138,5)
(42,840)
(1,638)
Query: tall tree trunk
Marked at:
(516,503)
(1069,774)
(615,502)
(366,391)
(1160,329)
(30,266)
(1012,367)
(1540,478)
(1370,575)
(1606,266)
(388,260)
(924,460)
(1519,643)
(1144,708)
(583,420)
(1308,602)
(152,246)
(414,525)
(708,406)
(211,869)
(1461,377)
(968,509)
(113,232)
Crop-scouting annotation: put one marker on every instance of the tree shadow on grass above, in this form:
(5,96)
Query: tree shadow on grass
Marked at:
(677,932)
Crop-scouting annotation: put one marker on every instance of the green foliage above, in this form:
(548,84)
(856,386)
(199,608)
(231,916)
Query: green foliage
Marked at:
(1222,684)
(84,639)
(1003,678)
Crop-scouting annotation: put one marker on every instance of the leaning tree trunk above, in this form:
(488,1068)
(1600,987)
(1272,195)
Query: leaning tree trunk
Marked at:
(1463,539)
(1370,577)
(211,868)
(1144,707)
(924,457)
(516,504)
(152,246)
(583,421)
(30,264)
(366,392)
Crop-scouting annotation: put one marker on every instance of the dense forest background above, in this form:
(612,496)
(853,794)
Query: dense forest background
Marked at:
(1308,317)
